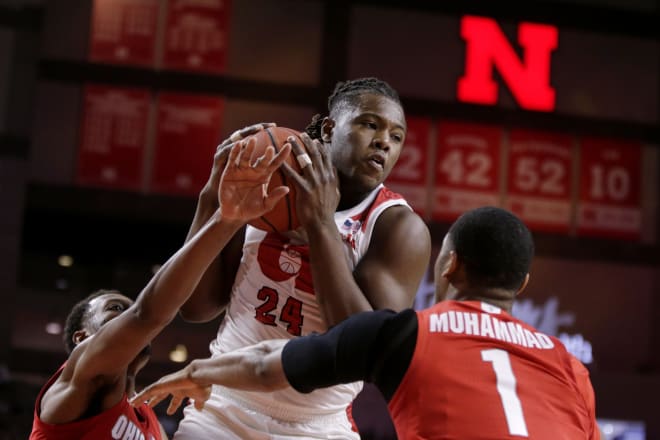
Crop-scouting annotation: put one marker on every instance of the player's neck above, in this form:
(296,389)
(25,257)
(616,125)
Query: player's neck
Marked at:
(130,385)
(351,197)
(497,297)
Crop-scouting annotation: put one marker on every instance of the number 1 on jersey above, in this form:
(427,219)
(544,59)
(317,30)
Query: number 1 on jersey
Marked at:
(506,388)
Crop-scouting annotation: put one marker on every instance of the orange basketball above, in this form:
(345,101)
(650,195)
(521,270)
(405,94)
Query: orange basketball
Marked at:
(283,217)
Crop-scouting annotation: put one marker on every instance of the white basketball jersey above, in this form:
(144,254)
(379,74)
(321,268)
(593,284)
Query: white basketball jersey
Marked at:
(273,298)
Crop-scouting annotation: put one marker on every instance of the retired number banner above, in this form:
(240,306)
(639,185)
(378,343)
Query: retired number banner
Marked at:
(124,32)
(539,179)
(610,182)
(409,175)
(113,137)
(467,169)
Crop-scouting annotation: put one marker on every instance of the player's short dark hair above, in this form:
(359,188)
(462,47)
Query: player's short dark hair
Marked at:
(77,317)
(494,245)
(348,92)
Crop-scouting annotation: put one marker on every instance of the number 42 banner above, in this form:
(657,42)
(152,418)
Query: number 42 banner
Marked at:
(467,169)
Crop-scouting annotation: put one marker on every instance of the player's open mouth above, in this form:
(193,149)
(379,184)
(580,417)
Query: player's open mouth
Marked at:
(377,161)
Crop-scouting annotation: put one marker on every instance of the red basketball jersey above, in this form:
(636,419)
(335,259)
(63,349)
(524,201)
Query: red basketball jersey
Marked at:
(122,421)
(479,373)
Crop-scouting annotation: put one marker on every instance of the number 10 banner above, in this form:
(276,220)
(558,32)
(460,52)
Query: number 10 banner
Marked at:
(539,179)
(610,182)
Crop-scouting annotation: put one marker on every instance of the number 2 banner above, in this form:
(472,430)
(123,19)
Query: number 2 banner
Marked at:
(409,175)
(610,182)
(467,169)
(539,179)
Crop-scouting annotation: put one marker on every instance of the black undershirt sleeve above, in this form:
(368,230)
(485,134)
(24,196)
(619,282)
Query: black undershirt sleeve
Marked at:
(372,346)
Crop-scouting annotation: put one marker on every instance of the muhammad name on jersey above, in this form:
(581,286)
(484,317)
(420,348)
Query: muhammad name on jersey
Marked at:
(125,429)
(488,326)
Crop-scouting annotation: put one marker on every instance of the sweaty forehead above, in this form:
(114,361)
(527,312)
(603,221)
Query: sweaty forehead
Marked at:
(382,106)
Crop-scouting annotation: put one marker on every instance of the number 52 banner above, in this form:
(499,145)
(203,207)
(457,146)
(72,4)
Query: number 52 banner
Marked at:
(539,179)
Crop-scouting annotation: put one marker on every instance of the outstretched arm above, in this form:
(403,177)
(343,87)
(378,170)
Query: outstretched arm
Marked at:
(374,346)
(254,368)
(211,294)
(241,197)
(101,361)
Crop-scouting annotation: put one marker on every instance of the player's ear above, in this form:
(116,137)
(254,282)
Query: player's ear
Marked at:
(326,129)
(451,265)
(523,285)
(79,336)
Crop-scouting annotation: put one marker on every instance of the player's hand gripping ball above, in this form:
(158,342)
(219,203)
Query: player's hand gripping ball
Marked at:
(283,217)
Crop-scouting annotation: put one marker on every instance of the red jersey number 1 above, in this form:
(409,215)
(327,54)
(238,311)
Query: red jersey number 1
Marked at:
(506,388)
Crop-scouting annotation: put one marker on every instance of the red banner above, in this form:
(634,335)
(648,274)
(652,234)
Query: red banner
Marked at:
(187,134)
(610,182)
(113,137)
(539,181)
(467,169)
(409,175)
(124,32)
(196,36)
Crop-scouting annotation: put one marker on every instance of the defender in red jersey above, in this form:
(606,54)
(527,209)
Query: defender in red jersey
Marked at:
(108,335)
(461,369)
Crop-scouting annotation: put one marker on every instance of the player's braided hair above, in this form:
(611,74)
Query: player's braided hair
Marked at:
(348,92)
(77,317)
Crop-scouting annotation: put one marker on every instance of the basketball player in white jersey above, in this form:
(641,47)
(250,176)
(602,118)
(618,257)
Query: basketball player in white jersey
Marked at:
(360,247)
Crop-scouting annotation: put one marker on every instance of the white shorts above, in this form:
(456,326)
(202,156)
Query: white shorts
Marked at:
(230,419)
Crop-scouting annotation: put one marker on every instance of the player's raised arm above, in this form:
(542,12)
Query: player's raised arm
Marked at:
(242,196)
(211,294)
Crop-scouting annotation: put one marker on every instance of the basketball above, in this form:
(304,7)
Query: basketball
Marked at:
(283,217)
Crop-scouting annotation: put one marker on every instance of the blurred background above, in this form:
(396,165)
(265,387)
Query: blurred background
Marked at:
(110,111)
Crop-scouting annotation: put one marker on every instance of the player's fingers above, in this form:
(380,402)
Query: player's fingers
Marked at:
(244,132)
(145,395)
(199,404)
(151,399)
(301,155)
(234,154)
(247,153)
(298,180)
(265,158)
(222,154)
(312,148)
(327,159)
(174,404)
(274,196)
(255,128)
(278,159)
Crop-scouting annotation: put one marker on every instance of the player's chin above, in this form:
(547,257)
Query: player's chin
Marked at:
(372,180)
